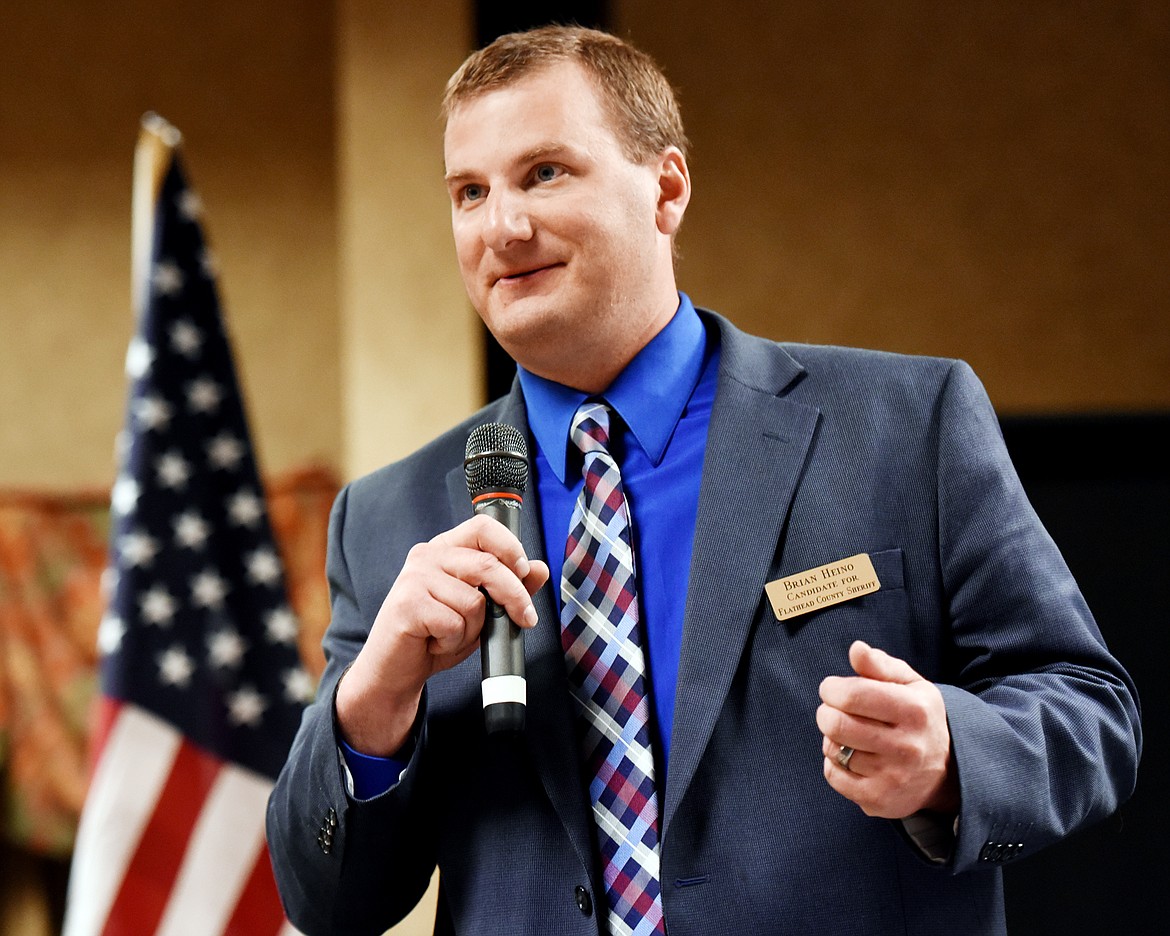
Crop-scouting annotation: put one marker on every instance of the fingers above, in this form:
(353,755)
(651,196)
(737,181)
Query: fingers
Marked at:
(877,664)
(481,553)
(885,689)
(896,722)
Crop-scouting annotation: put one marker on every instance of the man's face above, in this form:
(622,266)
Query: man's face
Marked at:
(558,234)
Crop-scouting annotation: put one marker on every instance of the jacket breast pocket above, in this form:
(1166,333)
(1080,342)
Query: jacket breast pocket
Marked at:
(869,612)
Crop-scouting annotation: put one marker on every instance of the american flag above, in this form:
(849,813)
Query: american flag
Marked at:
(202,684)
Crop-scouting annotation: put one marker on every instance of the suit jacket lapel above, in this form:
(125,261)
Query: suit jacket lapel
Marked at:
(756,447)
(551,730)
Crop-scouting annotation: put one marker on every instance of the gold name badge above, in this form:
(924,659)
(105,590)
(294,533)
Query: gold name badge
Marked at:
(822,587)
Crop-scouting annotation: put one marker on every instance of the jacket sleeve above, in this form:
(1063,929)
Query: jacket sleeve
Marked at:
(1044,721)
(343,866)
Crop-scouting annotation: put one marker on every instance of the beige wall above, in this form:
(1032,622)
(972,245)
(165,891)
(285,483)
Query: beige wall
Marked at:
(411,346)
(988,181)
(251,87)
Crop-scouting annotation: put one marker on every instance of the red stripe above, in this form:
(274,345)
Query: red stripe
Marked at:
(103,717)
(146,888)
(258,911)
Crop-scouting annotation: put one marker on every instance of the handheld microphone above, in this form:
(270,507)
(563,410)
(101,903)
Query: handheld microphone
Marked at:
(496,467)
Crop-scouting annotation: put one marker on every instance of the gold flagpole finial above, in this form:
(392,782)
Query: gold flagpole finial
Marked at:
(157,141)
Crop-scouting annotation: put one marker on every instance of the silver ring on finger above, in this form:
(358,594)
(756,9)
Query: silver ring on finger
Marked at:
(844,755)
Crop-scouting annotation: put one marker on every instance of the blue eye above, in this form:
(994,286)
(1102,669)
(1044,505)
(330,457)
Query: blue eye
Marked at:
(473,192)
(546,173)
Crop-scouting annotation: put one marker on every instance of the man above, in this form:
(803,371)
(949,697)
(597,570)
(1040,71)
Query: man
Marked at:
(778,773)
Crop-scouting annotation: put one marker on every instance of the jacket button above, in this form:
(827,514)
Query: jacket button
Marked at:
(584,902)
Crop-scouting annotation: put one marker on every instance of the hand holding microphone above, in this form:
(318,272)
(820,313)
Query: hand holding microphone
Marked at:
(465,586)
(496,467)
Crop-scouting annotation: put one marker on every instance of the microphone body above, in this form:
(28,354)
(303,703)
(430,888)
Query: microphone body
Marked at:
(496,467)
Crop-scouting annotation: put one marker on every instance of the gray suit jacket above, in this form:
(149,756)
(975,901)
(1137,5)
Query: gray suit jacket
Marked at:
(813,454)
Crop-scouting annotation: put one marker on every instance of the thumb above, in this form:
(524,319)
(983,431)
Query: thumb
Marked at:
(877,664)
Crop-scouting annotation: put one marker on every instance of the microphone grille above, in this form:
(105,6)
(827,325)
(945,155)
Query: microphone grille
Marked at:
(496,460)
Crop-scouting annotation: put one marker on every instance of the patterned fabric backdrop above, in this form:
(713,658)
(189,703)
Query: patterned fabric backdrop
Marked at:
(52,552)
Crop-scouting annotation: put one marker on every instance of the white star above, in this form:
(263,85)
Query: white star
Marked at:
(245,508)
(208,264)
(281,626)
(298,685)
(139,357)
(158,607)
(110,633)
(191,530)
(109,582)
(190,205)
(175,667)
(167,278)
(203,395)
(186,339)
(173,470)
(264,567)
(137,550)
(245,706)
(152,412)
(225,451)
(124,497)
(226,649)
(208,590)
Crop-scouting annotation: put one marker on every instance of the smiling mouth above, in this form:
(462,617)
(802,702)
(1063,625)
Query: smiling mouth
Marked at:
(523,275)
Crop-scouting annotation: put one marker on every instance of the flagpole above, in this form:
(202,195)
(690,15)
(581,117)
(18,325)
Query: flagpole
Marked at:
(157,141)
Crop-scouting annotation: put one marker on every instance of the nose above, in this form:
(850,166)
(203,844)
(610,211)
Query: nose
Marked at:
(506,220)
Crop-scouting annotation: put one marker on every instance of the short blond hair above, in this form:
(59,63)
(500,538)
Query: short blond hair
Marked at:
(633,90)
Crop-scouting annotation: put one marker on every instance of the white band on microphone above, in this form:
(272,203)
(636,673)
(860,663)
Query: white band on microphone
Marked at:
(504,689)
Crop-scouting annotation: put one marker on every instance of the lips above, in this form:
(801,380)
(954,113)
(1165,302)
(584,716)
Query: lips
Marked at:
(525,274)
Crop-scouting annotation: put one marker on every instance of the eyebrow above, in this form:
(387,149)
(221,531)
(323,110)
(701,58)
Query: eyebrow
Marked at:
(535,154)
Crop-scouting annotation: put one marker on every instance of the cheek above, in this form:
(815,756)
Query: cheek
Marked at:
(467,249)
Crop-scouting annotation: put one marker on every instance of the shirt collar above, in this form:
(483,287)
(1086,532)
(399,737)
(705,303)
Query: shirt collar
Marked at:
(650,394)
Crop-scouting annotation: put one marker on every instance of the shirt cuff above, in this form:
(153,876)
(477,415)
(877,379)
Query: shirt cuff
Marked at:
(933,834)
(366,776)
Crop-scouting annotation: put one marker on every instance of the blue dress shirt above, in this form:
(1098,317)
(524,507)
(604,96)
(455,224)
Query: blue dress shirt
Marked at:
(664,399)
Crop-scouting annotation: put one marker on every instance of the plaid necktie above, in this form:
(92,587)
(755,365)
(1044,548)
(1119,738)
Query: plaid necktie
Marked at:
(607,673)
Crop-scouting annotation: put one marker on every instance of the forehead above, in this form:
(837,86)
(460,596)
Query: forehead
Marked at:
(557,105)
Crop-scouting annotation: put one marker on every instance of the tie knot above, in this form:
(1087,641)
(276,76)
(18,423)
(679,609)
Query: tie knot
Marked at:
(590,429)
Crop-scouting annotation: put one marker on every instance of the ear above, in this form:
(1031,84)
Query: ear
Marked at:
(674,190)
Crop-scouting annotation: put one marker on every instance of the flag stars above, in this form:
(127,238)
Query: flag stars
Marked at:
(208,264)
(246,706)
(190,205)
(124,497)
(281,626)
(191,530)
(298,685)
(226,648)
(245,509)
(157,606)
(167,278)
(137,550)
(225,451)
(175,667)
(109,582)
(204,395)
(110,633)
(152,412)
(208,590)
(264,567)
(186,339)
(139,357)
(172,470)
